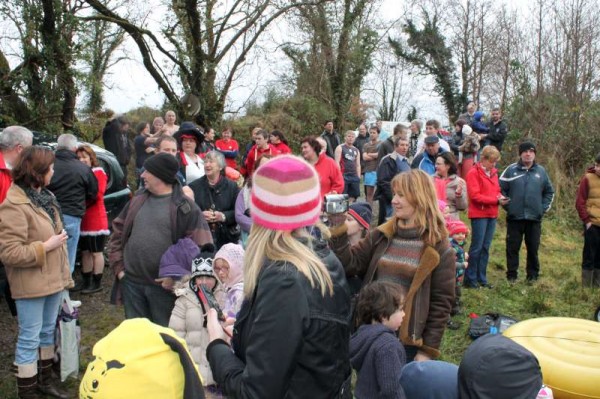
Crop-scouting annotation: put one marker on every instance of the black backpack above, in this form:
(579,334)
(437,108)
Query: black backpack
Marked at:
(490,323)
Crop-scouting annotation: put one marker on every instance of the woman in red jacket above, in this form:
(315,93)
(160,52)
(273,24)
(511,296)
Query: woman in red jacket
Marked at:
(279,142)
(94,228)
(484,197)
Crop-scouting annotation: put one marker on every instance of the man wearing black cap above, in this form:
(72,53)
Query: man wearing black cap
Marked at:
(530,192)
(156,218)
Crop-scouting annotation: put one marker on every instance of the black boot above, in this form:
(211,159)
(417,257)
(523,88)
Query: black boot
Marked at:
(46,382)
(85,284)
(95,286)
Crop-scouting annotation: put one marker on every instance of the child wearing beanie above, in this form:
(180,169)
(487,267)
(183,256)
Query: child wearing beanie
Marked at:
(458,237)
(229,269)
(188,318)
(358,221)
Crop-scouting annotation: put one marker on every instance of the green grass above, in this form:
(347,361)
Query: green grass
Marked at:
(558,292)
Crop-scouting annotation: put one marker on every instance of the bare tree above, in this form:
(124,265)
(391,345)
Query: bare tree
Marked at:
(336,55)
(208,43)
(100,41)
(45,76)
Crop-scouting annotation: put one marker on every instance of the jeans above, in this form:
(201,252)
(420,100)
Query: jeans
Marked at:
(479,252)
(37,321)
(515,230)
(146,300)
(72,226)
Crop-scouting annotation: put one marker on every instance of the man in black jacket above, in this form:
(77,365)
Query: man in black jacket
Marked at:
(498,130)
(114,136)
(74,185)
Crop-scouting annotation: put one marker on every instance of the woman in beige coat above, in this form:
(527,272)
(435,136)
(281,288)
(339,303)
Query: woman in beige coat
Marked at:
(33,250)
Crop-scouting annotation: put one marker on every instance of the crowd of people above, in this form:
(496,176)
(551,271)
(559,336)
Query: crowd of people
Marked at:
(232,248)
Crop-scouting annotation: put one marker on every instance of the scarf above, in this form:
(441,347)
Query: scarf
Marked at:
(45,200)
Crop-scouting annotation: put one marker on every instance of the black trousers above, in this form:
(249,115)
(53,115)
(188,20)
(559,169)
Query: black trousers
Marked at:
(591,248)
(515,231)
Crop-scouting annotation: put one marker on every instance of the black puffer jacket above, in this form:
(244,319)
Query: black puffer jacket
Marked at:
(73,183)
(289,341)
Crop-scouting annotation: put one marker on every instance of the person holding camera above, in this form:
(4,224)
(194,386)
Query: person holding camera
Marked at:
(412,251)
(291,336)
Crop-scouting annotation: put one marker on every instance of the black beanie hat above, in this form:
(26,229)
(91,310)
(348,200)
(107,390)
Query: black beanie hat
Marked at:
(496,367)
(164,166)
(526,146)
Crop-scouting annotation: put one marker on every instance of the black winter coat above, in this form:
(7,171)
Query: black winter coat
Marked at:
(223,196)
(73,183)
(530,192)
(289,341)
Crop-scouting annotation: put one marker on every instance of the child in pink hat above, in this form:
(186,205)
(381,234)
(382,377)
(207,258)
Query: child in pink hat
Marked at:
(229,268)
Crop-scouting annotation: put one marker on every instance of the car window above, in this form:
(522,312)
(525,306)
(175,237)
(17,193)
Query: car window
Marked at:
(109,177)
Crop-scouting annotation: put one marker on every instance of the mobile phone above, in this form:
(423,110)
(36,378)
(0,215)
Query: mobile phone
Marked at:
(211,302)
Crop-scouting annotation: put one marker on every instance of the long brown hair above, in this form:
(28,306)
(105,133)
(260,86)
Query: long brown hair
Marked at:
(418,189)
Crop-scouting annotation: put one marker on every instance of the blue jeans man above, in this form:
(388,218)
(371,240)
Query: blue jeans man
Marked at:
(73,228)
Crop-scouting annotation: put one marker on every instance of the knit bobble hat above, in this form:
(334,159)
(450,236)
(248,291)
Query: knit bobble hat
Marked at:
(466,130)
(202,265)
(361,211)
(456,227)
(526,146)
(286,194)
(164,166)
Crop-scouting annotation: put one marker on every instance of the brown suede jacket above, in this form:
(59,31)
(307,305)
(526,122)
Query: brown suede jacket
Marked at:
(431,294)
(32,272)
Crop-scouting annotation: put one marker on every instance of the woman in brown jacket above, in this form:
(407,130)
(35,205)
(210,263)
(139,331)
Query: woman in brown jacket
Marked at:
(33,250)
(412,251)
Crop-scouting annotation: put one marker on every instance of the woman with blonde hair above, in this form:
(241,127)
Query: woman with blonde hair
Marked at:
(484,198)
(411,250)
(292,335)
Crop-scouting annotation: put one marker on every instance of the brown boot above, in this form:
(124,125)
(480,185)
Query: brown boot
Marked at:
(587,278)
(27,382)
(46,381)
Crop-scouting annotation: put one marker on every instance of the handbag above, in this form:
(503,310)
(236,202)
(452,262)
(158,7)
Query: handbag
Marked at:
(67,338)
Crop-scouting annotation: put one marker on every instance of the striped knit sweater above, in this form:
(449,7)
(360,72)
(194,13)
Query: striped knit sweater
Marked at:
(401,259)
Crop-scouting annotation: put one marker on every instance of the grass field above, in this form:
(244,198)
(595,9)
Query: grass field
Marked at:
(557,293)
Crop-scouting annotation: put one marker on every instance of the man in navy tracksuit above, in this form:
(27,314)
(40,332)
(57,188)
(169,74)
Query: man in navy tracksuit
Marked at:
(531,193)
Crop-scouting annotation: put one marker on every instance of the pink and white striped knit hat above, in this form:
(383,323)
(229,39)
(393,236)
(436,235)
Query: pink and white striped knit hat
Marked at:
(286,194)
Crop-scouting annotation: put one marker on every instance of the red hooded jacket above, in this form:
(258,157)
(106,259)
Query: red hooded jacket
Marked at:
(483,191)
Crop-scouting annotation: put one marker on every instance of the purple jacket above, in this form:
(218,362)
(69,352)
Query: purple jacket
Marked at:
(241,218)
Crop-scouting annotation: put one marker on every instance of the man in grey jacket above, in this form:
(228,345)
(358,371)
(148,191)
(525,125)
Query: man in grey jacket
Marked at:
(530,191)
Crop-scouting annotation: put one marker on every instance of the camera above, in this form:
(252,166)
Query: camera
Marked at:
(336,203)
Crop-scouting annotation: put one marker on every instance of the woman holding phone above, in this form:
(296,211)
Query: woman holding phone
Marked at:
(484,198)
(34,251)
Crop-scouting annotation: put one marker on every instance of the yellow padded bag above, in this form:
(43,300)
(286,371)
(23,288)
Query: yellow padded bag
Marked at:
(139,359)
